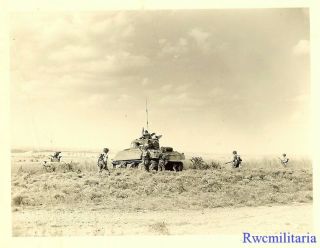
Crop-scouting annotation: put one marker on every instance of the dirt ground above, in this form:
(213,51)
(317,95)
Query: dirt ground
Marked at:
(97,220)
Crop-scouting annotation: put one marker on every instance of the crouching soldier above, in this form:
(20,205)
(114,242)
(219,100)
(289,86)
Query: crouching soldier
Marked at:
(103,161)
(56,157)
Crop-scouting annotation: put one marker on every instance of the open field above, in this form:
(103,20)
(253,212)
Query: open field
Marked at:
(134,189)
(131,201)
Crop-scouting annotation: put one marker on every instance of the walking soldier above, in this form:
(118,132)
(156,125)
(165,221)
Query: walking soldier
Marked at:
(236,162)
(284,160)
(103,160)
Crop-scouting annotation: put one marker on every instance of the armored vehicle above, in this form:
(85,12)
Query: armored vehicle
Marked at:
(132,157)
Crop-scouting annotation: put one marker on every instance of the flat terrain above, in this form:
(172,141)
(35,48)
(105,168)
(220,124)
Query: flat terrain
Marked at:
(296,218)
(77,200)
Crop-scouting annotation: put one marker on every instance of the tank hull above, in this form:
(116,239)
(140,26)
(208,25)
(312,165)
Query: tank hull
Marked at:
(132,158)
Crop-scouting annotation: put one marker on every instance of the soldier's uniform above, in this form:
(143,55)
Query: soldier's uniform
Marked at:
(55,157)
(284,160)
(146,158)
(153,165)
(236,162)
(155,143)
(146,135)
(162,162)
(103,160)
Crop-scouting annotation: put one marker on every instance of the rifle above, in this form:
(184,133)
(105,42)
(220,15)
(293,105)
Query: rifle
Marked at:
(229,162)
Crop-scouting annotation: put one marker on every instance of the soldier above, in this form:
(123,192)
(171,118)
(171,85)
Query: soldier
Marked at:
(155,143)
(56,157)
(236,162)
(284,160)
(146,158)
(136,144)
(146,135)
(103,160)
(162,162)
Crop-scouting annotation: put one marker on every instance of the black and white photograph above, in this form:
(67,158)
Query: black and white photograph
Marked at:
(162,122)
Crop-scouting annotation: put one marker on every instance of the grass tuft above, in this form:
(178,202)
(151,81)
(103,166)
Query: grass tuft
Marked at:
(159,228)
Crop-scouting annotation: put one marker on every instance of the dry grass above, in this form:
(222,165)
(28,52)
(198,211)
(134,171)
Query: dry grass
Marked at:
(130,189)
(209,184)
(159,228)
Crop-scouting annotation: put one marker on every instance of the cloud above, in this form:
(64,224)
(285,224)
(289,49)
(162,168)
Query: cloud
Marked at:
(178,48)
(166,87)
(118,26)
(302,48)
(70,37)
(201,38)
(123,98)
(93,67)
(94,100)
(58,30)
(118,63)
(183,100)
(183,87)
(57,54)
(74,52)
(216,92)
(145,81)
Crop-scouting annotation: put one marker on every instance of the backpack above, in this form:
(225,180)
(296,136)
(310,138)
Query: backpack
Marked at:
(237,162)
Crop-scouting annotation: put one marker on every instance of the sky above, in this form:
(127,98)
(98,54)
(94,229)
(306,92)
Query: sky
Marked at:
(215,80)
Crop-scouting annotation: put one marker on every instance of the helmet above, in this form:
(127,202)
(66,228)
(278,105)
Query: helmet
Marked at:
(284,154)
(105,150)
(234,152)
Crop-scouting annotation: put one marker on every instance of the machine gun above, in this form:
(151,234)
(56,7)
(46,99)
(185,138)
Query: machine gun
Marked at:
(229,162)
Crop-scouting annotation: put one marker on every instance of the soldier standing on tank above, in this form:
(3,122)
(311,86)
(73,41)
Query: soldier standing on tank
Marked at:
(155,143)
(284,160)
(103,160)
(146,158)
(146,135)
